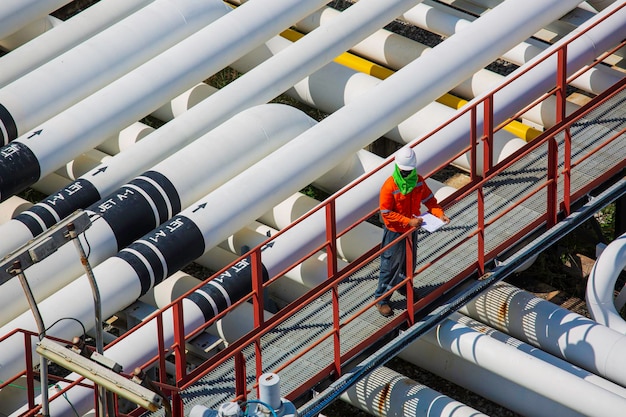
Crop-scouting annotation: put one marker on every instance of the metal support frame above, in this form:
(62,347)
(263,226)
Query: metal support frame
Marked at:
(36,251)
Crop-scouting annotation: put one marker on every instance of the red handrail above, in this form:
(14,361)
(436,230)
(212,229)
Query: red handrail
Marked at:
(234,351)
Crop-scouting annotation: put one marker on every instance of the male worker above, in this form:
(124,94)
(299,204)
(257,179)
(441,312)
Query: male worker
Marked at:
(400,198)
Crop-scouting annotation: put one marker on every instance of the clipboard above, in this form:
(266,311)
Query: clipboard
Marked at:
(431,223)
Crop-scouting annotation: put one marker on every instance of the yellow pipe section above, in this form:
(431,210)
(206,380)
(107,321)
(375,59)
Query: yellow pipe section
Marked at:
(357,63)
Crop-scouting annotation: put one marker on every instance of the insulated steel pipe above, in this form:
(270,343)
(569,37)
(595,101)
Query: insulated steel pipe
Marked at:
(396,51)
(323,134)
(36,154)
(531,85)
(562,333)
(70,77)
(64,37)
(15,14)
(188,235)
(29,32)
(602,304)
(441,21)
(523,379)
(335,85)
(257,87)
(154,197)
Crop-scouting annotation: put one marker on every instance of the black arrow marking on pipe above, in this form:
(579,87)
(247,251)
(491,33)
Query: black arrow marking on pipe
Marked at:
(35,133)
(99,171)
(19,169)
(267,246)
(8,128)
(200,206)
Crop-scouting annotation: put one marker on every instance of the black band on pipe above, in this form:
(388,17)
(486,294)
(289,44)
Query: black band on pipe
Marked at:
(9,126)
(171,194)
(139,206)
(177,242)
(19,169)
(43,215)
(236,282)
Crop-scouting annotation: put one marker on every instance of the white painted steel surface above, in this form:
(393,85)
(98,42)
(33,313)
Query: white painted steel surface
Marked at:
(601,301)
(385,392)
(562,333)
(510,372)
(83,70)
(15,14)
(194,171)
(156,81)
(64,37)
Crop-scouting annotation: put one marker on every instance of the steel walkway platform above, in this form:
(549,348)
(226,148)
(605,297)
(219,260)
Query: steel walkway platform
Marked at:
(315,319)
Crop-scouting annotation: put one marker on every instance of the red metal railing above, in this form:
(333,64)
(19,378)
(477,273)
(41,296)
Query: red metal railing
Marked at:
(555,204)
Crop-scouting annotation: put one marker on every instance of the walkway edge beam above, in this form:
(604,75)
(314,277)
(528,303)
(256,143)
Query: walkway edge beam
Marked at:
(383,355)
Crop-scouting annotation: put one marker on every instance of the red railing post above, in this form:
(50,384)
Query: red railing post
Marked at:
(331,265)
(161,343)
(561,101)
(473,148)
(487,135)
(257,299)
(240,376)
(410,262)
(561,83)
(480,214)
(30,377)
(179,351)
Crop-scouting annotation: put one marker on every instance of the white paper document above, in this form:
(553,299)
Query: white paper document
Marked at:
(431,223)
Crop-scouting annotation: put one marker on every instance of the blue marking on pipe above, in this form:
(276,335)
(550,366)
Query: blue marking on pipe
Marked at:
(176,242)
(19,169)
(8,131)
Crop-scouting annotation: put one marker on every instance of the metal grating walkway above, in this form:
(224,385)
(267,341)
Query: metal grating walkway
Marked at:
(315,319)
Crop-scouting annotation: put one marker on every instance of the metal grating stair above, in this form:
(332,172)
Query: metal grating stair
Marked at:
(315,319)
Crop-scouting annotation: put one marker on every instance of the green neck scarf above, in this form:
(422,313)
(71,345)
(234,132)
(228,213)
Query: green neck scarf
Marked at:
(407,184)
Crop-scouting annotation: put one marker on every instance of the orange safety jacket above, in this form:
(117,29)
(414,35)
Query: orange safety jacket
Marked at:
(396,209)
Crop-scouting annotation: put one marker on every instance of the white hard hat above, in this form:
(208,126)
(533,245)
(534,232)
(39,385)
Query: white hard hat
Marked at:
(406,159)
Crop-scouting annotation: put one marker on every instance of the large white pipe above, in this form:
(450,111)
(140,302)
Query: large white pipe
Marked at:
(327,144)
(184,102)
(396,51)
(64,37)
(441,21)
(529,86)
(83,163)
(523,379)
(29,32)
(334,85)
(15,14)
(154,197)
(384,393)
(12,207)
(126,138)
(77,73)
(259,86)
(602,304)
(562,333)
(195,56)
